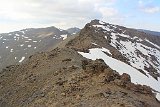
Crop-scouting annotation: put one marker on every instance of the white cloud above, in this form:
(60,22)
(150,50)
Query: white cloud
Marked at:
(112,15)
(148,6)
(151,9)
(144,2)
(108,12)
(61,13)
(20,14)
(140,2)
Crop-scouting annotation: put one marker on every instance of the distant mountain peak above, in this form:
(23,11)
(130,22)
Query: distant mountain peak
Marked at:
(19,45)
(73,30)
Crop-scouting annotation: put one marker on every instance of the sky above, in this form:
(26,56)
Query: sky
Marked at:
(21,14)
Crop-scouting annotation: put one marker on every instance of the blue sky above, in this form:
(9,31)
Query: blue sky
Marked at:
(141,13)
(20,14)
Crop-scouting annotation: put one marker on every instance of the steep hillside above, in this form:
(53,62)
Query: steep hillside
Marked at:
(124,50)
(63,77)
(19,45)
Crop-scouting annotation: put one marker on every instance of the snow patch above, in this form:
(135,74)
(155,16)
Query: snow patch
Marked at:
(95,44)
(1,37)
(158,96)
(105,37)
(23,32)
(11,50)
(22,45)
(25,37)
(64,36)
(29,46)
(17,34)
(135,37)
(123,35)
(153,44)
(60,29)
(101,22)
(140,40)
(103,27)
(22,59)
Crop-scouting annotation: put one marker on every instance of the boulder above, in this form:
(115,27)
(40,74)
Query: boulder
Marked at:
(125,77)
(94,66)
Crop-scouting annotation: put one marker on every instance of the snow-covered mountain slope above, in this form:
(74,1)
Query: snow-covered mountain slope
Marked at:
(16,47)
(124,50)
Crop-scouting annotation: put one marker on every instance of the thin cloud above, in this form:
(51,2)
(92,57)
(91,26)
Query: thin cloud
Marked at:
(152,9)
(108,12)
(148,6)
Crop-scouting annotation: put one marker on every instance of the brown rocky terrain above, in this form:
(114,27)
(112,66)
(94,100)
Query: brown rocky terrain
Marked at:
(62,77)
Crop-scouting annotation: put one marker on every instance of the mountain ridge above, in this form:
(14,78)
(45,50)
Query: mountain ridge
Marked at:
(86,70)
(63,77)
(89,33)
(18,45)
(130,46)
(156,33)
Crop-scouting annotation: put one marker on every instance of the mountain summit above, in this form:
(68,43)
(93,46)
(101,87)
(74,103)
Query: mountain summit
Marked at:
(135,48)
(123,49)
(104,65)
